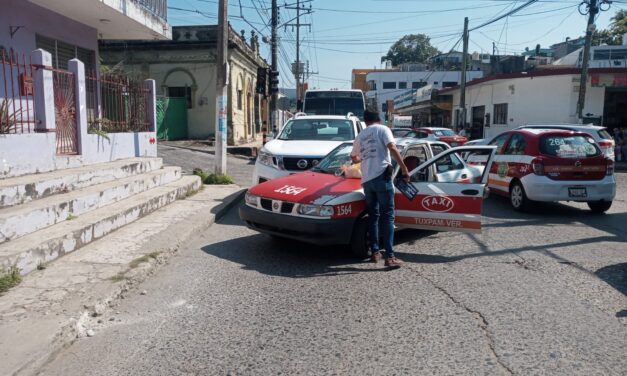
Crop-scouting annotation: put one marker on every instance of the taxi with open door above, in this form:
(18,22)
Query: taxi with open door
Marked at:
(322,206)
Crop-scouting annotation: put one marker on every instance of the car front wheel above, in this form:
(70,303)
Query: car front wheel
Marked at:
(518,198)
(599,207)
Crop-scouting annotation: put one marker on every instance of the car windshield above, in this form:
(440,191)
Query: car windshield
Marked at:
(443,132)
(335,106)
(333,162)
(569,146)
(318,130)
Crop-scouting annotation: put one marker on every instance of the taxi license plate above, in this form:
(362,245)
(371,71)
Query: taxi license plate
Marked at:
(577,192)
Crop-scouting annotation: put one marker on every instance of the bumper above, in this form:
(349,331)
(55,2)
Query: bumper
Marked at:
(315,231)
(541,188)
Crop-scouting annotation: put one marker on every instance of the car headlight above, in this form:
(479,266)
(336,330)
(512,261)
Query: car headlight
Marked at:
(251,199)
(266,159)
(316,210)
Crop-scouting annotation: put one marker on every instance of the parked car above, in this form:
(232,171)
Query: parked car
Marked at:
(302,143)
(600,134)
(533,164)
(433,134)
(400,132)
(321,206)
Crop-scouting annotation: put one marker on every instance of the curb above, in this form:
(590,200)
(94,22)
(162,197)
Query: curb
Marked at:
(243,152)
(77,327)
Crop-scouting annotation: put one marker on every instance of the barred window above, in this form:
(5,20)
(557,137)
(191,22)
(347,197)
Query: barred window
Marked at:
(63,52)
(500,113)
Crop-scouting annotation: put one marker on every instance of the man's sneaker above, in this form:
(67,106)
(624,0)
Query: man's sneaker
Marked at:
(393,262)
(376,257)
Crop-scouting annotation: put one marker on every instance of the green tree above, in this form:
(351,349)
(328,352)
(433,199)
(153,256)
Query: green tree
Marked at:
(412,48)
(614,34)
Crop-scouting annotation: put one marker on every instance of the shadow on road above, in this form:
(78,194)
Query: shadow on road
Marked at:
(552,214)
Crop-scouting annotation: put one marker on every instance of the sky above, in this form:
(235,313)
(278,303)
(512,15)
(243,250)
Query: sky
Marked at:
(348,34)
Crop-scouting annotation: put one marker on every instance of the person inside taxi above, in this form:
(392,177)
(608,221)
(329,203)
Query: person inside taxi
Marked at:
(372,148)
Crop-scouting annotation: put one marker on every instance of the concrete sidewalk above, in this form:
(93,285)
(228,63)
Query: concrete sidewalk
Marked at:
(54,306)
(245,150)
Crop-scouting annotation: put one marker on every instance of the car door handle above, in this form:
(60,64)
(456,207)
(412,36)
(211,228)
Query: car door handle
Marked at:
(470,192)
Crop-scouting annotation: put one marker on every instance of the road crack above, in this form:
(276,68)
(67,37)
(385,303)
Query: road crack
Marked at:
(483,322)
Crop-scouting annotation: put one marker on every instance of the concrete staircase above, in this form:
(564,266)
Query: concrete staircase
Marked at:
(44,216)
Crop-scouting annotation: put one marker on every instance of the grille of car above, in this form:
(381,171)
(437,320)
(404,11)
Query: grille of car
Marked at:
(291,163)
(286,207)
(266,204)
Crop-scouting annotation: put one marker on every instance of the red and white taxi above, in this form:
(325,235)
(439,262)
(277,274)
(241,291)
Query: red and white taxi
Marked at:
(552,165)
(432,134)
(323,207)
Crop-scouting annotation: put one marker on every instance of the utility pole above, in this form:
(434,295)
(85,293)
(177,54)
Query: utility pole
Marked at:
(462,86)
(221,89)
(274,67)
(297,51)
(593,9)
(297,69)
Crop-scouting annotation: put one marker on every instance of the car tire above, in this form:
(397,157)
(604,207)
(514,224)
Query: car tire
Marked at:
(359,239)
(518,198)
(599,207)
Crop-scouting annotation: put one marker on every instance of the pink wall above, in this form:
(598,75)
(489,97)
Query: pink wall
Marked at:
(38,20)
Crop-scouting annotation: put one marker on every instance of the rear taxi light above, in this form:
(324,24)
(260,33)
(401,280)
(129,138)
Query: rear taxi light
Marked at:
(538,167)
(610,167)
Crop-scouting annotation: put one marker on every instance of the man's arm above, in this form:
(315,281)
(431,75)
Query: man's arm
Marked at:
(355,152)
(397,156)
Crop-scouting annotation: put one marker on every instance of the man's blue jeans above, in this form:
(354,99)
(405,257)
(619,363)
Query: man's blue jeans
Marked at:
(380,202)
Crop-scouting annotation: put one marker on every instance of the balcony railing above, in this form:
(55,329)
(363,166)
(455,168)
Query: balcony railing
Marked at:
(158,8)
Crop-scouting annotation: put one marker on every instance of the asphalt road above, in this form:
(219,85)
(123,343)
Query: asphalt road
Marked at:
(542,293)
(239,168)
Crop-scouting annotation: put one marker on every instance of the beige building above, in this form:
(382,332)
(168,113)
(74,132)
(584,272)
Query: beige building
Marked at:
(184,68)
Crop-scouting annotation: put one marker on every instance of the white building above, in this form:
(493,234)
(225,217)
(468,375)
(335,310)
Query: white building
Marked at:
(499,103)
(385,86)
(56,102)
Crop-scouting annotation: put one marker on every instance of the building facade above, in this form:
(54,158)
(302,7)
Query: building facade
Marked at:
(385,86)
(51,93)
(184,68)
(499,103)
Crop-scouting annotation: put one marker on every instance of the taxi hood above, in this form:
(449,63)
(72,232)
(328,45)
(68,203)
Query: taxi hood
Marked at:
(307,188)
(299,148)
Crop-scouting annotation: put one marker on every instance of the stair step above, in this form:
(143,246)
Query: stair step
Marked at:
(48,244)
(27,218)
(22,189)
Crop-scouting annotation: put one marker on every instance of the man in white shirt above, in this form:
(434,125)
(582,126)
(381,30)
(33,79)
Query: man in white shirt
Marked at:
(372,148)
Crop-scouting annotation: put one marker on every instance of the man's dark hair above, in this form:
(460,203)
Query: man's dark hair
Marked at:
(371,116)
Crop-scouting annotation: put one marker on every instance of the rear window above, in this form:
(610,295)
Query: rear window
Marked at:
(569,146)
(604,134)
(444,133)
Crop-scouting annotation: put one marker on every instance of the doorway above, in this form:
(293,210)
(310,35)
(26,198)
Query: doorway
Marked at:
(614,114)
(478,116)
